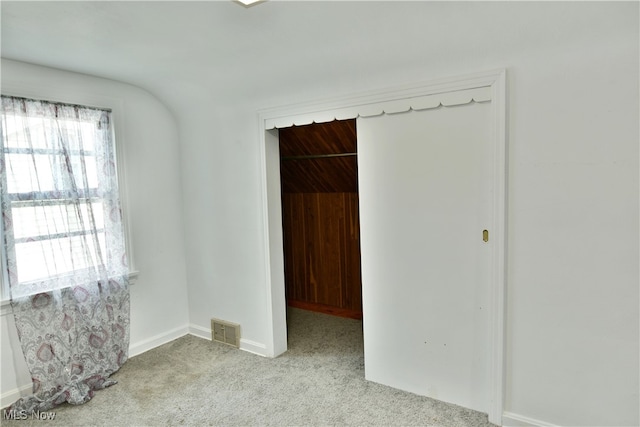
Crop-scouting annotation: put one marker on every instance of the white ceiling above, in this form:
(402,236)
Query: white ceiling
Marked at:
(182,49)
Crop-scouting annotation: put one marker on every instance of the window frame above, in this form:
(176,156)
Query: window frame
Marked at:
(117,107)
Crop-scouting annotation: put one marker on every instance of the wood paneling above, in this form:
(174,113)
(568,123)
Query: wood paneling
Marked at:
(322,251)
(325,175)
(322,175)
(326,309)
(321,225)
(338,136)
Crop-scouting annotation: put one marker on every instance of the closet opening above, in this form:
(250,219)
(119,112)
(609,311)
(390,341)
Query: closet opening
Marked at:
(379,219)
(320,218)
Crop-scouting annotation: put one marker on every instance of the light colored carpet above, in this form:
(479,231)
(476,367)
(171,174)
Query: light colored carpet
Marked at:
(318,381)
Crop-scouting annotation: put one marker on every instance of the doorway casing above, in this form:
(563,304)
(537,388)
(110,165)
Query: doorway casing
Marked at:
(379,102)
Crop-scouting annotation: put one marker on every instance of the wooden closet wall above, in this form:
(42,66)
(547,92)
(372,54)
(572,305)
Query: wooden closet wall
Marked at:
(321,226)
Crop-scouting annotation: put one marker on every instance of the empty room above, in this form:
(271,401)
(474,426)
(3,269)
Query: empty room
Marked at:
(320,213)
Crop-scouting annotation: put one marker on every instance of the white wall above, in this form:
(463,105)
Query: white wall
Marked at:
(572,326)
(223,222)
(149,135)
(573,236)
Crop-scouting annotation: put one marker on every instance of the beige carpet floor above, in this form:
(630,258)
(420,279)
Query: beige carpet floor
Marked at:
(319,381)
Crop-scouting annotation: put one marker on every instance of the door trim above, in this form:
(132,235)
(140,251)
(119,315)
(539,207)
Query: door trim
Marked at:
(272,216)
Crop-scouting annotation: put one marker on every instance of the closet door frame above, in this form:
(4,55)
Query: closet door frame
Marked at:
(455,89)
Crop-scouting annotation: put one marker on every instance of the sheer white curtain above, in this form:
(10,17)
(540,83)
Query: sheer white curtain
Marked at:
(64,248)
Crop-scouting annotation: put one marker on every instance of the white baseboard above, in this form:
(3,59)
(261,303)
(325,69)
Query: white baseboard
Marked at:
(253,347)
(199,331)
(245,345)
(509,419)
(155,341)
(11,396)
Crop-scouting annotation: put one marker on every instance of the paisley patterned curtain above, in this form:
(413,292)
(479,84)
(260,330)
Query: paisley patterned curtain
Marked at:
(64,249)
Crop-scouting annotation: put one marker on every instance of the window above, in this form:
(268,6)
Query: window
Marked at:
(60,204)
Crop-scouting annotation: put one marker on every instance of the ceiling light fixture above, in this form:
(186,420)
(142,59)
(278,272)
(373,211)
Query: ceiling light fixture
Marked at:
(249,3)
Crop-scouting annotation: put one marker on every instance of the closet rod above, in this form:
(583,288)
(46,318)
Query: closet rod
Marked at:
(317,156)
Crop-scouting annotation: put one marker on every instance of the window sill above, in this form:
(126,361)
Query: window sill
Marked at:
(5,304)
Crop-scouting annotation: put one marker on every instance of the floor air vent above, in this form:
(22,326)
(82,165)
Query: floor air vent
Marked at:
(225,332)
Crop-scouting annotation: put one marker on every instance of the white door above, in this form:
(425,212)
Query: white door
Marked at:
(425,199)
